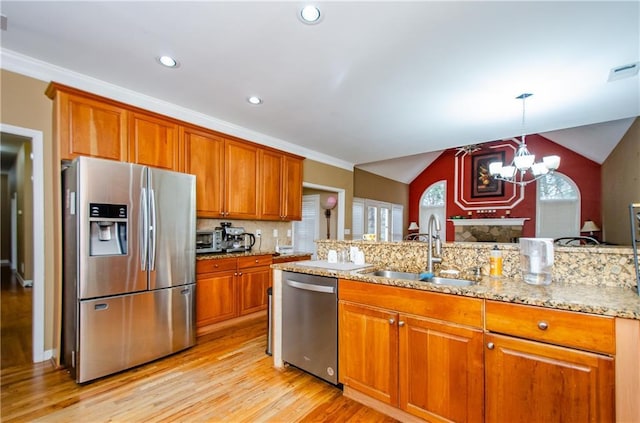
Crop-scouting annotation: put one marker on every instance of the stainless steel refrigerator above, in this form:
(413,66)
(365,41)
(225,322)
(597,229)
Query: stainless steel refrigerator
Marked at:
(129,265)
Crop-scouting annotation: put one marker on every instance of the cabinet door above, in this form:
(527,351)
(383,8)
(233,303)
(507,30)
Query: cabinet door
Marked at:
(88,127)
(292,188)
(529,381)
(216,298)
(153,141)
(204,157)
(270,184)
(368,351)
(241,176)
(253,284)
(441,370)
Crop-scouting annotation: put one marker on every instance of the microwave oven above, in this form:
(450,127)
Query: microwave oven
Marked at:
(209,241)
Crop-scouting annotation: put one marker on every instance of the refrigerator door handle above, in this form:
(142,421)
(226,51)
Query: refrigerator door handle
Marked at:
(144,228)
(152,230)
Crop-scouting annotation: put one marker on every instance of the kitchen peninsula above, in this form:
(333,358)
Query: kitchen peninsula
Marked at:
(468,353)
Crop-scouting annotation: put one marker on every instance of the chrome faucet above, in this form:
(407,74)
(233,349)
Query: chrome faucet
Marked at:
(431,257)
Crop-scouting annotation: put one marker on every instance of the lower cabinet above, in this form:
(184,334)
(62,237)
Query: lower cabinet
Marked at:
(397,346)
(231,287)
(530,381)
(563,372)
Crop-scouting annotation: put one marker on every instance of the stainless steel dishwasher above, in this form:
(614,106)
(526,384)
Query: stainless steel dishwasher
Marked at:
(310,324)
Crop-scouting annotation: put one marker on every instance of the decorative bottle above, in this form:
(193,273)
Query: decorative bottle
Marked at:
(495,263)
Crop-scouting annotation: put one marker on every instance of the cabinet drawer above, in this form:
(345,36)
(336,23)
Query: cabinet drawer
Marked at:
(571,329)
(254,261)
(215,265)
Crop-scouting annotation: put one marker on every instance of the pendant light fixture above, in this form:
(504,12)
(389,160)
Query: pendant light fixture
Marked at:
(523,169)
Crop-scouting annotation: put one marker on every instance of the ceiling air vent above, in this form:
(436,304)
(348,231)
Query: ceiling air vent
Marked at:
(624,71)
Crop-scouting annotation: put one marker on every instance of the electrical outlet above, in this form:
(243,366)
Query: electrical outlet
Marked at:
(275,233)
(258,233)
(289,233)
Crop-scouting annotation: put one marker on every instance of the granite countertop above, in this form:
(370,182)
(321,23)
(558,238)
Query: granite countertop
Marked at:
(607,301)
(216,256)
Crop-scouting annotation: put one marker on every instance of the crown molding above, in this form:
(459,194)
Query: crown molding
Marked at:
(44,71)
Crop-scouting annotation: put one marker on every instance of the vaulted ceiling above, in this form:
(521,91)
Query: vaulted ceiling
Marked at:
(381,85)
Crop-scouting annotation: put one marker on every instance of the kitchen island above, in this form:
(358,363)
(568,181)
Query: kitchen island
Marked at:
(513,337)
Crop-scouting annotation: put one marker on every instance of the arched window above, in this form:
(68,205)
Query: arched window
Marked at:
(433,201)
(558,207)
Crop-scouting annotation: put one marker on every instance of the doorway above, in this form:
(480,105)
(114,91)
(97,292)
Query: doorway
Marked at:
(315,223)
(36,156)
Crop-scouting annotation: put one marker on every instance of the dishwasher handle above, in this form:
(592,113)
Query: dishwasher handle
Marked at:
(311,287)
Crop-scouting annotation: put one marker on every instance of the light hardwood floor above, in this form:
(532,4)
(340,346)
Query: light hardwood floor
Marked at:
(226,377)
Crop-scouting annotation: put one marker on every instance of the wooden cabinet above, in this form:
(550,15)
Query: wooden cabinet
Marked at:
(204,158)
(241,180)
(231,287)
(216,291)
(368,350)
(536,381)
(289,258)
(254,277)
(281,186)
(235,179)
(87,125)
(154,141)
(412,349)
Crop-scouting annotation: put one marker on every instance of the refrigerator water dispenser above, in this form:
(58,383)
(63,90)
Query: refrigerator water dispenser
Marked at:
(108,229)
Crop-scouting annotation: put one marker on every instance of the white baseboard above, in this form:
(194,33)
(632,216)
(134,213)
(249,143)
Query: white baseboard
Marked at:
(27,283)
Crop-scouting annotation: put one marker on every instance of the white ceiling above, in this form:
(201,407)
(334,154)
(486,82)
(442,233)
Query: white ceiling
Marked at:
(373,81)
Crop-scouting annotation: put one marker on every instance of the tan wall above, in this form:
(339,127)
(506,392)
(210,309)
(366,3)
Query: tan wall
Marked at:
(374,187)
(621,186)
(323,174)
(24,172)
(5,216)
(24,104)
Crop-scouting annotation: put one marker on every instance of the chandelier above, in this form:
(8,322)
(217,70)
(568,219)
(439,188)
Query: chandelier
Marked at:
(523,170)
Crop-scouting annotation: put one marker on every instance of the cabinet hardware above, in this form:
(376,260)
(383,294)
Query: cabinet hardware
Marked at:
(491,345)
(543,325)
(391,321)
(401,323)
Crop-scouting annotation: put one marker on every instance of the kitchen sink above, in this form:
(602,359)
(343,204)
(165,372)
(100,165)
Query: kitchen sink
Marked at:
(416,277)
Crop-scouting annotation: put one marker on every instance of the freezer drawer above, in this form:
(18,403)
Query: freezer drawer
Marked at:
(120,332)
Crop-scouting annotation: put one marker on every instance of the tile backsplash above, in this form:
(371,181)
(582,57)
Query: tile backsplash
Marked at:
(267,241)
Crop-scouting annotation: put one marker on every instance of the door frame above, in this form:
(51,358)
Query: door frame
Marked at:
(340,206)
(38,352)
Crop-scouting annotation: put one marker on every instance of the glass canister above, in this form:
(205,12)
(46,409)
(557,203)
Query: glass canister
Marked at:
(536,260)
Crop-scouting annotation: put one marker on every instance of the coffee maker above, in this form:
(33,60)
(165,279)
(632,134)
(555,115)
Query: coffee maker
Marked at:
(235,239)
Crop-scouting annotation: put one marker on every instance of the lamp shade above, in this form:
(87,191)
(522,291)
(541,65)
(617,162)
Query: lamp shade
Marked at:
(413,226)
(329,203)
(589,226)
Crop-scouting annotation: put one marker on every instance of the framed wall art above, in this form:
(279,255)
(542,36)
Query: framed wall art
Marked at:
(482,184)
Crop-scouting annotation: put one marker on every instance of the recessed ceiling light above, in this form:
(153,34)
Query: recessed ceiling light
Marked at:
(168,61)
(310,14)
(254,100)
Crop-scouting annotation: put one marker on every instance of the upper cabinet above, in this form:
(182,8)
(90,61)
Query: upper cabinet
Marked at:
(281,186)
(204,157)
(235,179)
(88,126)
(241,180)
(154,141)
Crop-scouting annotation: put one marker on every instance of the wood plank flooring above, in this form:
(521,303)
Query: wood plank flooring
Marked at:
(15,315)
(226,377)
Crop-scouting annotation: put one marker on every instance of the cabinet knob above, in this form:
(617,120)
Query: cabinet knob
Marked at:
(391,321)
(543,325)
(491,345)
(400,323)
